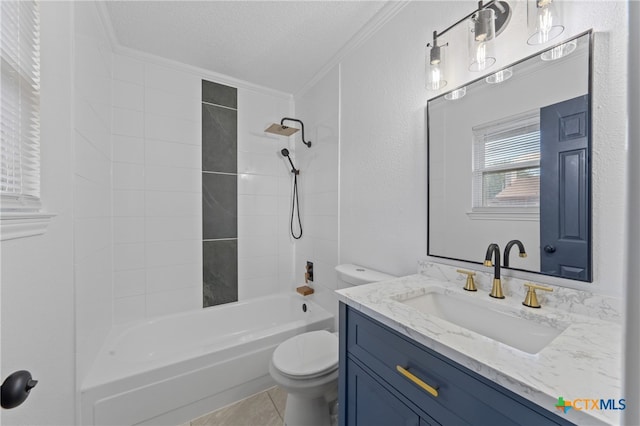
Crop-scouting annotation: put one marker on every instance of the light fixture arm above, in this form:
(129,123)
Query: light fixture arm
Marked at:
(308,144)
(481,6)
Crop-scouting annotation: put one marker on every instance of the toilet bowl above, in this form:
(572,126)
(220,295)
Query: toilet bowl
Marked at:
(306,365)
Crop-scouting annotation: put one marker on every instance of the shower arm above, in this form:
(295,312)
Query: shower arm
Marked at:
(308,144)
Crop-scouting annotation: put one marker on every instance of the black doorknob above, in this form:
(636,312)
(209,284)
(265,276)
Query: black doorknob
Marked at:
(549,248)
(15,389)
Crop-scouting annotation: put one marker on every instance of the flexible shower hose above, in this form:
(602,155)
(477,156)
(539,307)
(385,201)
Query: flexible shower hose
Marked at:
(295,206)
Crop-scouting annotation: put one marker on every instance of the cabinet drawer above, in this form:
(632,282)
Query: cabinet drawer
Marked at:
(463,397)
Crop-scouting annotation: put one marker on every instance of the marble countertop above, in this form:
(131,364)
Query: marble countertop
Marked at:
(584,362)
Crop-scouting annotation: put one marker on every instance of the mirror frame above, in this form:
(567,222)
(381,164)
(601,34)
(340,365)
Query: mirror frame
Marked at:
(590,49)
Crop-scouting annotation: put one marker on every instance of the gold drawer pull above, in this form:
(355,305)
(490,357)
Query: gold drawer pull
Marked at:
(432,390)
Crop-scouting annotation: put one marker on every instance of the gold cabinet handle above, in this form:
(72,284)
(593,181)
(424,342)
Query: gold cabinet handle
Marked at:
(432,390)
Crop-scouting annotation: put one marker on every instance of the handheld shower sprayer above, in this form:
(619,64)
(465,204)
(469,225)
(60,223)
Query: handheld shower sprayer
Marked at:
(295,204)
(285,153)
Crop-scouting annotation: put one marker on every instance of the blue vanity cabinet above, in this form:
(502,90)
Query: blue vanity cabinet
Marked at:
(373,390)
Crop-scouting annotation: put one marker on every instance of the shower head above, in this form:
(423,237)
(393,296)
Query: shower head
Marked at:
(282,130)
(285,153)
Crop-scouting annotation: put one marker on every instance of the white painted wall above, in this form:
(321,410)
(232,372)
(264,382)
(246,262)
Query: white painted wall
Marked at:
(37,272)
(383,136)
(318,108)
(92,214)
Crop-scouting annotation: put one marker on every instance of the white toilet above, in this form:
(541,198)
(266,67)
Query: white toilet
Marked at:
(306,365)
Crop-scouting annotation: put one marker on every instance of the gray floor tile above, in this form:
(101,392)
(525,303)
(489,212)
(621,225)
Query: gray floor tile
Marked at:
(279,398)
(257,410)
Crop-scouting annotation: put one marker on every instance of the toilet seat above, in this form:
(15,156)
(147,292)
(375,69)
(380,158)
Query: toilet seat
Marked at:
(307,355)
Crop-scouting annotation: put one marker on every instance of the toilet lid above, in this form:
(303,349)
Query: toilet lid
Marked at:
(307,354)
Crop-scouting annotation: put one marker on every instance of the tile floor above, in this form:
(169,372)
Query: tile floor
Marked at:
(262,409)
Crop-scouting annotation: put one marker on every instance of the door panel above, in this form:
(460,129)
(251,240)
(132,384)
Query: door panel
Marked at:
(565,195)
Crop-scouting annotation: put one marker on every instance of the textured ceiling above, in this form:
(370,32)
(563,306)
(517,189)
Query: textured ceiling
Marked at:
(280,45)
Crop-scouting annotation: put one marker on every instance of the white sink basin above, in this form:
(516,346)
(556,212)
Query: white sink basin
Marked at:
(484,318)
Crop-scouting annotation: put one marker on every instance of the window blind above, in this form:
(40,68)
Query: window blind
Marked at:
(20,105)
(507,163)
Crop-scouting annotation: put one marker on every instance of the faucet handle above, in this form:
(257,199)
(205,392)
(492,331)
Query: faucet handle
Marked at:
(531,299)
(470,284)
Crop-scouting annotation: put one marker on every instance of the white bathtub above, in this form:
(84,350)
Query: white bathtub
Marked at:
(175,368)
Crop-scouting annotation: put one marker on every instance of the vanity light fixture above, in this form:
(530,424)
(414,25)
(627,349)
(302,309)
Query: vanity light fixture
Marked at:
(500,76)
(543,20)
(485,24)
(435,65)
(559,51)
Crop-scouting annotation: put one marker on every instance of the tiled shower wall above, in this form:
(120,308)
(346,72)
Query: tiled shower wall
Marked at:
(318,109)
(93,257)
(157,190)
(219,193)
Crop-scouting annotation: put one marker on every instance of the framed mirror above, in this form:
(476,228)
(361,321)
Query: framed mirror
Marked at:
(510,161)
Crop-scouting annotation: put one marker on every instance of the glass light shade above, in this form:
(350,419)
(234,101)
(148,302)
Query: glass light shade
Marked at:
(559,51)
(543,20)
(481,34)
(456,94)
(435,63)
(500,76)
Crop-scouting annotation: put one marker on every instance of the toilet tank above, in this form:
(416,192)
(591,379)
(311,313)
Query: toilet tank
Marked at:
(351,275)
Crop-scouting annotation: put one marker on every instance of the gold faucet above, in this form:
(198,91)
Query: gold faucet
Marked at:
(494,251)
(470,285)
(531,299)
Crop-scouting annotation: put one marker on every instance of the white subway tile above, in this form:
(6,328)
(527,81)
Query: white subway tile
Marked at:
(128,256)
(128,230)
(165,253)
(257,226)
(128,203)
(90,163)
(173,129)
(90,235)
(172,154)
(168,302)
(90,199)
(177,82)
(127,309)
(128,95)
(258,287)
(128,149)
(173,228)
(90,126)
(128,176)
(127,122)
(171,204)
(256,247)
(173,179)
(161,102)
(257,267)
(174,277)
(129,283)
(128,69)
(257,184)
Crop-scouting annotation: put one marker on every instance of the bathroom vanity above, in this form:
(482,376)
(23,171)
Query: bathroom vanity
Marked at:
(402,364)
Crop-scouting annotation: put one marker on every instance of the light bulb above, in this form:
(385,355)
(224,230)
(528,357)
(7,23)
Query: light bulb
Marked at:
(544,21)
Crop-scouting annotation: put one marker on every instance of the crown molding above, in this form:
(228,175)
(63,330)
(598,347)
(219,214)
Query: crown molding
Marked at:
(179,66)
(388,11)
